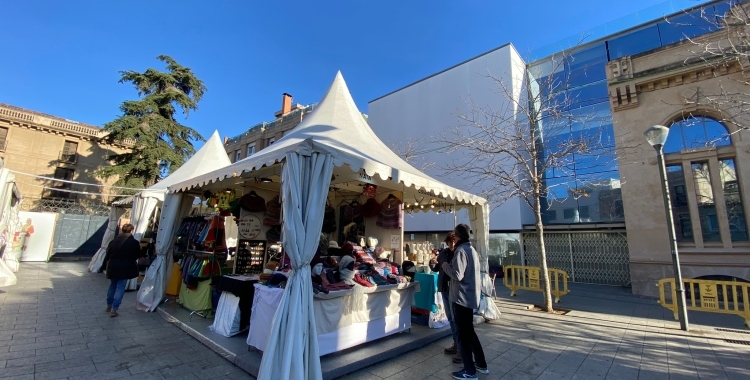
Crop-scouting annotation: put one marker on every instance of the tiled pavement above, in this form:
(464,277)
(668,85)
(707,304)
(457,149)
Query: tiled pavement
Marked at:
(52,326)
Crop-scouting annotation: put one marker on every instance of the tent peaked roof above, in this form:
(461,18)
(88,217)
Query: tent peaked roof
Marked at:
(337,127)
(210,156)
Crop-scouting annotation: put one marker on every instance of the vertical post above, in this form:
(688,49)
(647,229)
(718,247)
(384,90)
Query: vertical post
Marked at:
(679,285)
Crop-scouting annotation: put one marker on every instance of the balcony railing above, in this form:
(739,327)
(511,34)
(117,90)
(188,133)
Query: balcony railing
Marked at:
(67,158)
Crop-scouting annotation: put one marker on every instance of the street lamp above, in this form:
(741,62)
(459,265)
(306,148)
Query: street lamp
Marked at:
(657,136)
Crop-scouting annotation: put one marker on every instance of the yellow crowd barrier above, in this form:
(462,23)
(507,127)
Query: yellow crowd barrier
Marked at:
(726,297)
(518,277)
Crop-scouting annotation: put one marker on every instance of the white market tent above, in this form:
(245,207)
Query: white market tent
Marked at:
(210,156)
(333,146)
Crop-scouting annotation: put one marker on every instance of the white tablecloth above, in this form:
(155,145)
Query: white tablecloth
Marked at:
(386,310)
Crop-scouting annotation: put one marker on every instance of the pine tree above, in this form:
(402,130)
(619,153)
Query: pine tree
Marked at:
(160,143)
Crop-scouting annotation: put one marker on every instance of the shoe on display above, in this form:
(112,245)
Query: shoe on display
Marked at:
(451,350)
(113,313)
(462,374)
(481,369)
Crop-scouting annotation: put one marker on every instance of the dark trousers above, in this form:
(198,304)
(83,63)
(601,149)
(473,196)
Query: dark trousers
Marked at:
(471,349)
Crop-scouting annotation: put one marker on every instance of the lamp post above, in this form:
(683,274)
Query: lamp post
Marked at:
(657,136)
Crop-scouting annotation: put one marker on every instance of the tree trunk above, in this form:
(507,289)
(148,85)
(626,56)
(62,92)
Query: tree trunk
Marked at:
(546,288)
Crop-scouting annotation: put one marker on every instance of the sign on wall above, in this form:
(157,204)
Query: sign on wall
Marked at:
(249,227)
(34,239)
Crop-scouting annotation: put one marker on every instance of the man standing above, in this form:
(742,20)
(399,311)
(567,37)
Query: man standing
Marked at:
(464,294)
(121,266)
(446,256)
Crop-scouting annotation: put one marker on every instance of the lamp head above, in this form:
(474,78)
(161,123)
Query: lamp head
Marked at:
(657,135)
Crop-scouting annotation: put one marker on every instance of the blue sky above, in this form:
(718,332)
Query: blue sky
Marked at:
(63,57)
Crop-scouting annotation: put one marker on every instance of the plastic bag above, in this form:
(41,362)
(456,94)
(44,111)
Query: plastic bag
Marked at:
(227,318)
(487,308)
(438,319)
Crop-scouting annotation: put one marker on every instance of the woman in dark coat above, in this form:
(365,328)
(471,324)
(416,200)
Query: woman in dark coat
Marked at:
(121,265)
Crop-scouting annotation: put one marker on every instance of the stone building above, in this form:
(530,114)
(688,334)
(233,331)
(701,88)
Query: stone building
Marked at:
(264,134)
(699,96)
(37,144)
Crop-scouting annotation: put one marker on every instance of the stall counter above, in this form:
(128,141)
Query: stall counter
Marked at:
(343,318)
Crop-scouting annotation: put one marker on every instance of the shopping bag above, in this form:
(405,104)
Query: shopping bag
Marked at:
(487,308)
(227,318)
(438,319)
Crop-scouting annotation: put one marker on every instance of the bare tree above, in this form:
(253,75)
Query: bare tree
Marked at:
(508,152)
(409,150)
(723,48)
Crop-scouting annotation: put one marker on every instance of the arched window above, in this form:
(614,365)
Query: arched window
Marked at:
(696,132)
(704,185)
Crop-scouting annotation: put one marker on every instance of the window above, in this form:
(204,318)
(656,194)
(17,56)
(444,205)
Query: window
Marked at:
(250,149)
(635,42)
(704,190)
(569,213)
(733,200)
(583,212)
(695,133)
(551,215)
(271,141)
(69,152)
(237,156)
(64,174)
(3,138)
(680,210)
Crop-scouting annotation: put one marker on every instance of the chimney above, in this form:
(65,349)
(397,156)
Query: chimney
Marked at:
(286,105)
(226,140)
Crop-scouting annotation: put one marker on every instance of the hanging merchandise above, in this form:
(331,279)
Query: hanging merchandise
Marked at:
(329,220)
(253,202)
(370,190)
(273,212)
(274,234)
(224,198)
(390,216)
(371,208)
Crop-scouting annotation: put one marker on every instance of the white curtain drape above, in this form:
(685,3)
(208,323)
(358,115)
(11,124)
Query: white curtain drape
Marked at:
(292,351)
(143,207)
(154,284)
(114,219)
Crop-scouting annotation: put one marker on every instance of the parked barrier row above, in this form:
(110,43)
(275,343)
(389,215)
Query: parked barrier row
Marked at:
(518,277)
(726,297)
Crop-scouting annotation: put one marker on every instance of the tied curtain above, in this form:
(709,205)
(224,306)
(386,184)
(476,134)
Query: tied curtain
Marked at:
(292,350)
(154,284)
(114,220)
(143,207)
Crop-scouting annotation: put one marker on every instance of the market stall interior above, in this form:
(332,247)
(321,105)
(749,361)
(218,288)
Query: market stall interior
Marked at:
(329,197)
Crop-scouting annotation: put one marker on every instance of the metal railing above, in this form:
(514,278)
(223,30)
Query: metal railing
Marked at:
(725,297)
(66,206)
(518,277)
(268,125)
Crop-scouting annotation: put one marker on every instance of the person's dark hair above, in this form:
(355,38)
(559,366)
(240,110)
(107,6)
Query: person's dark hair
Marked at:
(127,228)
(462,232)
(450,238)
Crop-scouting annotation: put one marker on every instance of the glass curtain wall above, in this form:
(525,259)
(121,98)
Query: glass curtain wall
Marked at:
(586,187)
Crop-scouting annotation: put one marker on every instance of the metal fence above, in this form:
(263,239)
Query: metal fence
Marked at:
(594,257)
(64,206)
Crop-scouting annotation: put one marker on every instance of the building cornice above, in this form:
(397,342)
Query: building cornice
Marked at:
(24,118)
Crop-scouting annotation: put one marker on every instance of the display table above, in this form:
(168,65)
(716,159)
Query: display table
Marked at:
(342,319)
(425,297)
(242,287)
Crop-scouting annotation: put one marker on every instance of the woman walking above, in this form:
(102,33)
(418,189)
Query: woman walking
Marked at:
(464,294)
(120,263)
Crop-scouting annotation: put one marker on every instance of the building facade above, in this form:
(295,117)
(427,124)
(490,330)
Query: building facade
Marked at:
(604,218)
(264,134)
(35,145)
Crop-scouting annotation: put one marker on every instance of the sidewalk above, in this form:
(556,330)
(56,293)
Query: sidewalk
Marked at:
(52,325)
(610,334)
